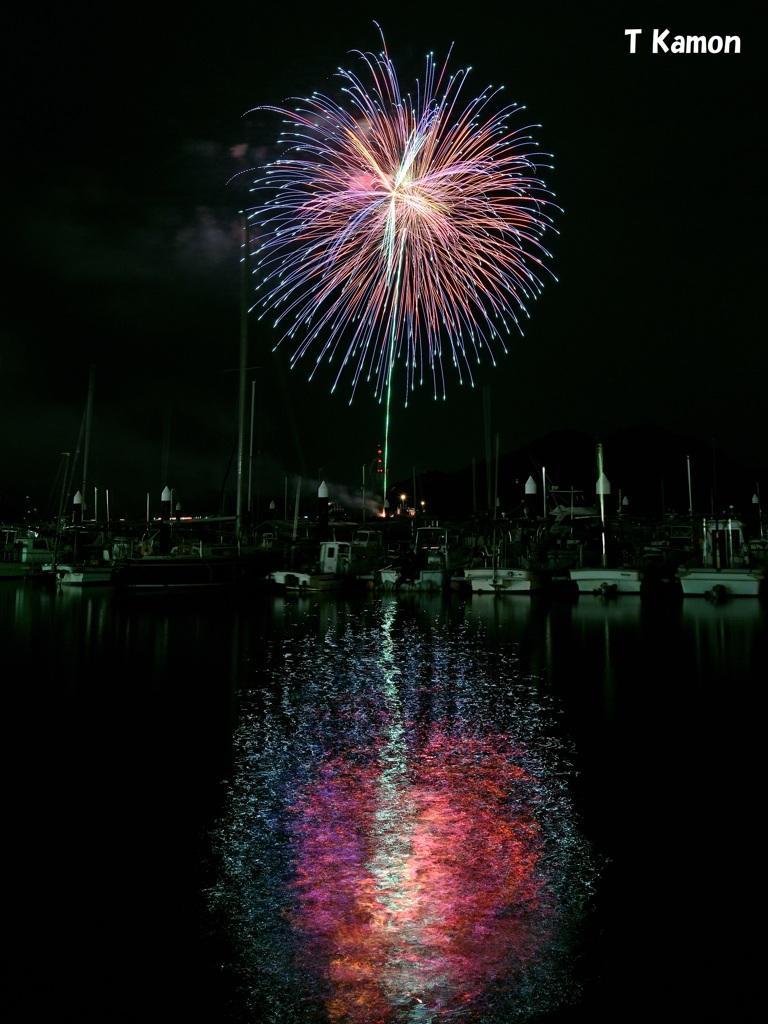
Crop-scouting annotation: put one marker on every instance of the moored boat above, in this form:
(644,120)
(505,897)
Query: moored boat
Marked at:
(719,584)
(208,569)
(23,551)
(726,568)
(512,558)
(80,575)
(606,580)
(334,564)
(503,580)
(607,552)
(303,582)
(432,562)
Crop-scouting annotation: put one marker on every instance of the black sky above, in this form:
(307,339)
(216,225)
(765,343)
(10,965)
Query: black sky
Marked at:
(122,235)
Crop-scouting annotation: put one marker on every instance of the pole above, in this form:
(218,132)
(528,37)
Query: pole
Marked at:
(759,508)
(496,480)
(62,499)
(296,509)
(241,383)
(250,451)
(544,489)
(601,492)
(88,409)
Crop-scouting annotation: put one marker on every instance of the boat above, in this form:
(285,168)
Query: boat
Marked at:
(513,557)
(633,562)
(303,582)
(207,566)
(200,554)
(434,561)
(346,563)
(728,565)
(608,581)
(80,558)
(80,575)
(205,570)
(502,580)
(614,554)
(24,550)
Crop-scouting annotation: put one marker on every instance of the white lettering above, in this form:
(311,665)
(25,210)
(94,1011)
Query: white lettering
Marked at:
(663,43)
(634,33)
(658,40)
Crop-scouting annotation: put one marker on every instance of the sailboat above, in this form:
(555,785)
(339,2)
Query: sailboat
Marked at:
(606,576)
(202,554)
(89,561)
(497,565)
(80,556)
(728,565)
(221,554)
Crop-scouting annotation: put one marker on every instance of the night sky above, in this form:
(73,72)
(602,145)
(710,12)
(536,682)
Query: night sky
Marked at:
(122,234)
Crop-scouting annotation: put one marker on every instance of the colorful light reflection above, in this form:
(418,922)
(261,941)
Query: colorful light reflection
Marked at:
(421,889)
(400,845)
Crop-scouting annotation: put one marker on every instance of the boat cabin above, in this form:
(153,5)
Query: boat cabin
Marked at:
(724,544)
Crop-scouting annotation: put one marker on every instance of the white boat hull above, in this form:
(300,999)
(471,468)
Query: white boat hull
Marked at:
(85,577)
(305,581)
(79,575)
(602,580)
(716,583)
(502,581)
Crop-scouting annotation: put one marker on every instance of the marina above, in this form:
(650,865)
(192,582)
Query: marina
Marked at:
(717,559)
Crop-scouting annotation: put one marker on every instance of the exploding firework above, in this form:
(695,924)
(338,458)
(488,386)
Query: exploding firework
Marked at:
(399,230)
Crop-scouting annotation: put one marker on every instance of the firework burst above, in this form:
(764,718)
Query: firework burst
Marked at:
(398,230)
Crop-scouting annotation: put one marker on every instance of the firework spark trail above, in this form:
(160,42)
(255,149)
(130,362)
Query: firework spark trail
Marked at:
(400,230)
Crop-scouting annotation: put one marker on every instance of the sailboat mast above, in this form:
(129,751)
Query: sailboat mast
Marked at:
(250,448)
(601,490)
(88,411)
(243,370)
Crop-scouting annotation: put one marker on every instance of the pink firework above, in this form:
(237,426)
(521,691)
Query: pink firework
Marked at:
(399,230)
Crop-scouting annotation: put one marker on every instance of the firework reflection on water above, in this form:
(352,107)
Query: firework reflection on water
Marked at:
(399,842)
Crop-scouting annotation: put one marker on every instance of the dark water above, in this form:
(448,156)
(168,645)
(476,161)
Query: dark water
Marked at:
(385,809)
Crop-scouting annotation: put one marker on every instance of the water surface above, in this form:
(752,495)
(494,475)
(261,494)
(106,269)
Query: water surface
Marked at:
(398,808)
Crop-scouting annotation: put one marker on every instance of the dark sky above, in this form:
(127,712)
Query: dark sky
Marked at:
(122,242)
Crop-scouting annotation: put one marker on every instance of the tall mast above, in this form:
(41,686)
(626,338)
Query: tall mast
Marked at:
(88,411)
(602,490)
(243,370)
